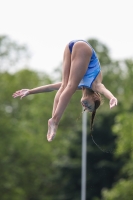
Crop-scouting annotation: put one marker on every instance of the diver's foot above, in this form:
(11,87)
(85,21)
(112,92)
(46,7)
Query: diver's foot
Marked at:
(52,127)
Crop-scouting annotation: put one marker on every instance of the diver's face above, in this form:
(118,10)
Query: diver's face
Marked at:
(88,103)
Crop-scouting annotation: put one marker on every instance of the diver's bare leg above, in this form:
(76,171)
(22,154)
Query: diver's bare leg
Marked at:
(65,76)
(79,62)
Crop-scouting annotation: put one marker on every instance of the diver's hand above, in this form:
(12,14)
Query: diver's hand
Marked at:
(113,102)
(21,93)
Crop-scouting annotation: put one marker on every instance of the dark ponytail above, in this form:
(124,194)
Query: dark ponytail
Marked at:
(92,120)
(97,101)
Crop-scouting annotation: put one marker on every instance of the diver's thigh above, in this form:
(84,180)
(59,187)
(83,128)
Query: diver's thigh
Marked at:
(66,66)
(79,62)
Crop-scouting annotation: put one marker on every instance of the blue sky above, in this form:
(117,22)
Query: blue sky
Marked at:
(46,26)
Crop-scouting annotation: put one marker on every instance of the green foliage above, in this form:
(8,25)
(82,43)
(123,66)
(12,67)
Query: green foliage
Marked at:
(123,129)
(122,190)
(30,166)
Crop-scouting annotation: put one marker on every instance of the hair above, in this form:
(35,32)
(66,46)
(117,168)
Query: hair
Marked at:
(97,103)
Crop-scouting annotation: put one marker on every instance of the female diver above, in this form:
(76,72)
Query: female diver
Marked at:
(80,70)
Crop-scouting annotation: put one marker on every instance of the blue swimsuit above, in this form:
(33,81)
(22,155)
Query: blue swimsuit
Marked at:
(93,67)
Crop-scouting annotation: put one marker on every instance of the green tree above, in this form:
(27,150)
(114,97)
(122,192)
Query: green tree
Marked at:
(122,188)
(28,165)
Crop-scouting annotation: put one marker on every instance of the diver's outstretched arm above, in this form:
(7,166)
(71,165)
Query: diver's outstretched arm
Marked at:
(45,88)
(103,90)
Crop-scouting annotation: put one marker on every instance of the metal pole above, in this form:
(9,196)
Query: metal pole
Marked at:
(84,145)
